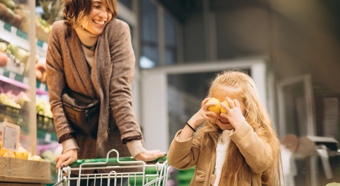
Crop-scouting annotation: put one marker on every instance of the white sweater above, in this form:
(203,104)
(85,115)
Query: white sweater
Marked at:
(221,152)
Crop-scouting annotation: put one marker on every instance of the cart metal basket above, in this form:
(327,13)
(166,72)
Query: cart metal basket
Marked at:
(153,173)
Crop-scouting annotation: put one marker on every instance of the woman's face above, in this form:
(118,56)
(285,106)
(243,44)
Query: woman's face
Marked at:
(99,16)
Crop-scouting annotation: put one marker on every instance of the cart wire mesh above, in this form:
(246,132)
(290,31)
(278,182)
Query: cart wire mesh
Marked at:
(124,171)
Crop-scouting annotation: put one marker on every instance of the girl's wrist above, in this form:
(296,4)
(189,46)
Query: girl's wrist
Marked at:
(192,123)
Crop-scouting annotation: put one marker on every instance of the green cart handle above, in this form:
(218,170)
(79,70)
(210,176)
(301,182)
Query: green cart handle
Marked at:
(113,161)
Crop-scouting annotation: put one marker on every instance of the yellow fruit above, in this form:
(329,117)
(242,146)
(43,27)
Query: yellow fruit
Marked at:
(227,104)
(217,107)
(9,154)
(2,151)
(36,158)
(21,153)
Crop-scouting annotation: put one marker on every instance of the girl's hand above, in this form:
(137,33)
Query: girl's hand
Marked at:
(67,158)
(149,155)
(203,114)
(234,113)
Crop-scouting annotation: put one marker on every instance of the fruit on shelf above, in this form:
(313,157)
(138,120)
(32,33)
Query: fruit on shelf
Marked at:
(40,70)
(21,153)
(216,108)
(2,151)
(52,10)
(22,98)
(6,14)
(3,59)
(22,22)
(3,46)
(7,99)
(43,107)
(35,158)
(18,20)
(9,4)
(19,53)
(9,154)
(48,155)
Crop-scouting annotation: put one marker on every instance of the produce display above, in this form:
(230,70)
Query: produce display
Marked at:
(14,14)
(14,58)
(20,154)
(9,99)
(3,59)
(20,56)
(43,107)
(40,70)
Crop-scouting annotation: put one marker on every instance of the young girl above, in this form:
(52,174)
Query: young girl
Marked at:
(235,148)
(90,52)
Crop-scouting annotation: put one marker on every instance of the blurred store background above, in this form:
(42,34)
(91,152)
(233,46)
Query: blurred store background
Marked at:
(290,48)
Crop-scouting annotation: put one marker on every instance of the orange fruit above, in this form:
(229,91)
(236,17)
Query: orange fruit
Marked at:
(9,154)
(21,153)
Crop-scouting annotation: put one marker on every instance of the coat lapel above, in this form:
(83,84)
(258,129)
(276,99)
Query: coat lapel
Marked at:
(101,76)
(80,64)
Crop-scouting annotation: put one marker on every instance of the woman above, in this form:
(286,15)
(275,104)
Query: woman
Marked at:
(90,52)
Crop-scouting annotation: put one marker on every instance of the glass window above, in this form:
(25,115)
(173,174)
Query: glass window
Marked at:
(149,35)
(170,29)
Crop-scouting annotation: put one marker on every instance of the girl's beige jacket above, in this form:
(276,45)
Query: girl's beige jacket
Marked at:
(257,154)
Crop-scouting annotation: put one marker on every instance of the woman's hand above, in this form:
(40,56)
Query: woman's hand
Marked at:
(149,155)
(203,114)
(67,158)
(234,113)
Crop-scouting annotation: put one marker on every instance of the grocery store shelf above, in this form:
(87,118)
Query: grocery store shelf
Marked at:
(19,38)
(42,135)
(21,81)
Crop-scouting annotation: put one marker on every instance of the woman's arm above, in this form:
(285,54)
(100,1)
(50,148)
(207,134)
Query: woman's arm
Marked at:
(123,64)
(56,83)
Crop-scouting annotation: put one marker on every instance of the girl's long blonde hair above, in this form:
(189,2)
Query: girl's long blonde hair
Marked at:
(257,117)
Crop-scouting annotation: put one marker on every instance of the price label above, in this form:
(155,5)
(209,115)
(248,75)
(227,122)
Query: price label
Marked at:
(12,75)
(10,136)
(14,31)
(42,86)
(48,137)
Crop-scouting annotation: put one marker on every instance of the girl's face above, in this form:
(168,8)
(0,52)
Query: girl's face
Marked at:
(221,93)
(99,16)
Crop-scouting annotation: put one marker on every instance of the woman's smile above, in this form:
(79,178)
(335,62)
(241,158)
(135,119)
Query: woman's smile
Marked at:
(100,23)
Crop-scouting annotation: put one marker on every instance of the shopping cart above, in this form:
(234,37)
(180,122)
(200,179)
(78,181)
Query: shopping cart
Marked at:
(153,173)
